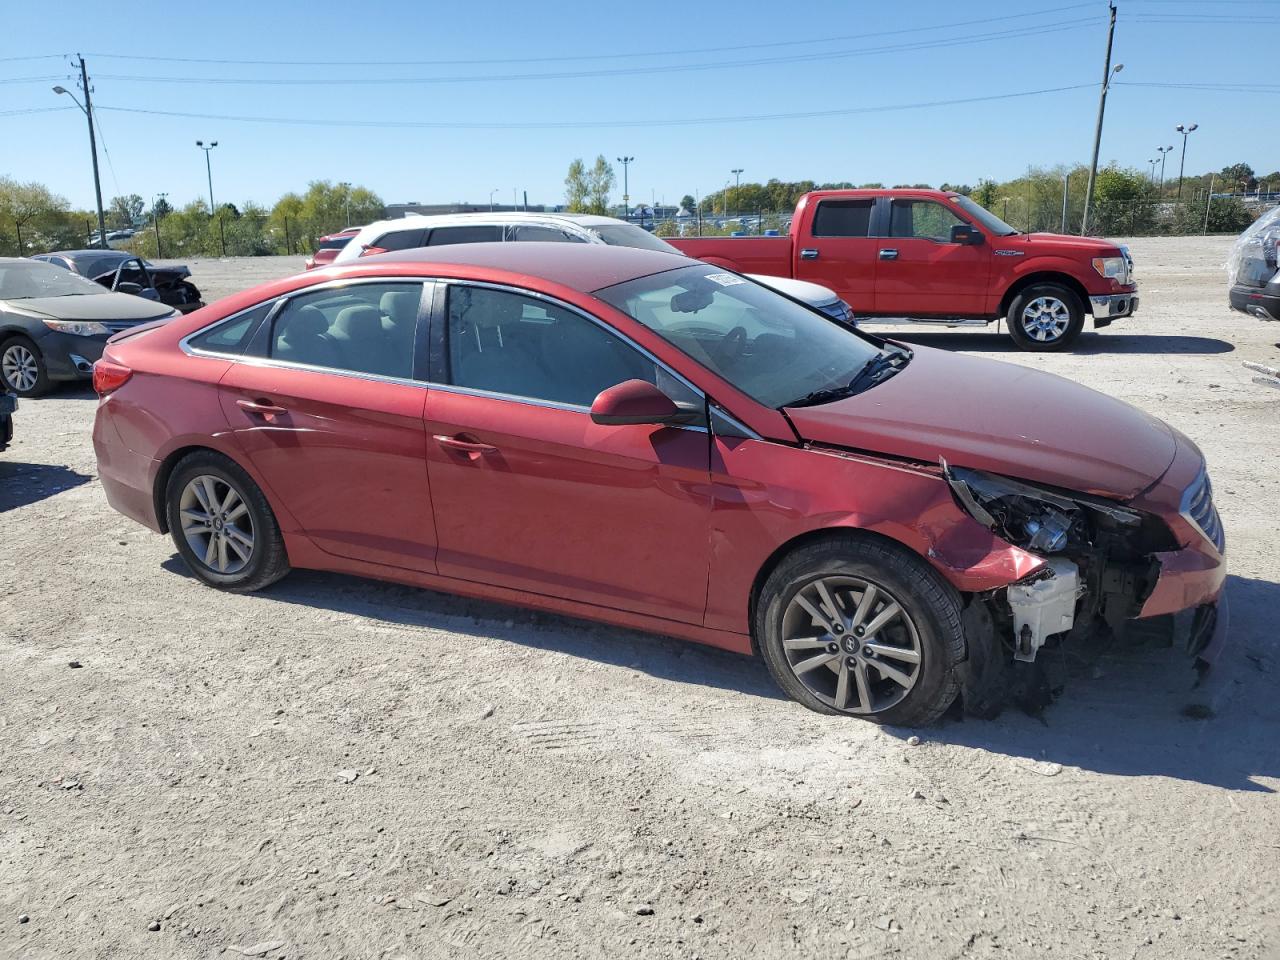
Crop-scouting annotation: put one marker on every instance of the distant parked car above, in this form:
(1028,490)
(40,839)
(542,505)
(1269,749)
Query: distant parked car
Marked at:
(126,273)
(54,324)
(329,247)
(8,404)
(1253,269)
(409,233)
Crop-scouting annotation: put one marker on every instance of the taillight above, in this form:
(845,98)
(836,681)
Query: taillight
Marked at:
(109,376)
(368,250)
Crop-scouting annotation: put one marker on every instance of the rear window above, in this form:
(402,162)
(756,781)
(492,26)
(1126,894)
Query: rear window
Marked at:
(333,243)
(442,236)
(399,240)
(843,218)
(232,336)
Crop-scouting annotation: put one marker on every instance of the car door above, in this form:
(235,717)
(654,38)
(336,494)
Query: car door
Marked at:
(921,271)
(327,406)
(529,493)
(840,252)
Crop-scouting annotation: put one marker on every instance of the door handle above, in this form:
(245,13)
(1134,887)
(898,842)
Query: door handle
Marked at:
(889,254)
(470,447)
(262,408)
(808,253)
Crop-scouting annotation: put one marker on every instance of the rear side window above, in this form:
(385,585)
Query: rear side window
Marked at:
(441,236)
(232,336)
(399,240)
(843,218)
(543,234)
(361,328)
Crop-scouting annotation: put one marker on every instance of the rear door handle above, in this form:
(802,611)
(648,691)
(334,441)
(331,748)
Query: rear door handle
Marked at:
(262,408)
(889,254)
(808,254)
(465,446)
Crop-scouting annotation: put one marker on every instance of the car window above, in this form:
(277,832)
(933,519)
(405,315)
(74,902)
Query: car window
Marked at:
(487,233)
(362,328)
(399,240)
(503,342)
(232,336)
(843,218)
(26,279)
(922,219)
(543,234)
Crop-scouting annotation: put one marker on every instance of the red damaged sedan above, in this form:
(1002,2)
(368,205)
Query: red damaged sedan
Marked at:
(636,438)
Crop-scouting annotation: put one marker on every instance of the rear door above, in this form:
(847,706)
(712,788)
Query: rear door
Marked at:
(839,252)
(921,272)
(328,406)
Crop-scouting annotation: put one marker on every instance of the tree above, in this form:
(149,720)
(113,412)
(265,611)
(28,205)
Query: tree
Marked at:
(688,203)
(161,208)
(576,187)
(1121,202)
(1238,176)
(33,206)
(126,212)
(600,181)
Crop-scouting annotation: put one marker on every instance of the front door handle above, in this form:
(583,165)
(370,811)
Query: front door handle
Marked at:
(470,447)
(889,254)
(263,408)
(808,253)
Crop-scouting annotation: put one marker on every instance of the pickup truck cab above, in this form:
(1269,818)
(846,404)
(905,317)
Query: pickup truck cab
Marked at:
(932,256)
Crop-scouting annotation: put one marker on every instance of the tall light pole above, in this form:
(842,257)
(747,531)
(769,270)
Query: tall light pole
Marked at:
(626,186)
(1107,74)
(1151,173)
(87,109)
(737,183)
(155,220)
(1164,151)
(1185,130)
(346,196)
(491,193)
(208,167)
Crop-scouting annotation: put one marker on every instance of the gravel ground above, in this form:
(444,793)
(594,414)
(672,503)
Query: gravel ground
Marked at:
(338,767)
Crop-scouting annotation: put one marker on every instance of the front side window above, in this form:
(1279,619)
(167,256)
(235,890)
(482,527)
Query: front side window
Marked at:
(503,342)
(360,328)
(922,219)
(477,233)
(843,218)
(772,349)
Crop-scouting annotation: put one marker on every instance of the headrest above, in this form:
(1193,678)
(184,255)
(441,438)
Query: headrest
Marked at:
(400,305)
(304,322)
(359,322)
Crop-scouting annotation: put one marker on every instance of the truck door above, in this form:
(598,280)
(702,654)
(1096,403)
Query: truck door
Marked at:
(921,272)
(839,252)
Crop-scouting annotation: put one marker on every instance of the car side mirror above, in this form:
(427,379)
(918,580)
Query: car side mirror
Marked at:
(133,289)
(635,402)
(966,235)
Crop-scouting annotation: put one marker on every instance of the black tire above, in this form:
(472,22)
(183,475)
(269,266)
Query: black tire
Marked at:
(267,561)
(931,604)
(1046,294)
(42,383)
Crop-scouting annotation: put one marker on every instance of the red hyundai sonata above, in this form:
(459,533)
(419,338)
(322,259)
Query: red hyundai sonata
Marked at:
(645,440)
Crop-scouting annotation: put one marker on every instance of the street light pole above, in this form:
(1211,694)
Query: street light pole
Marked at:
(87,109)
(626,186)
(1107,74)
(1164,152)
(155,220)
(1185,130)
(208,169)
(737,184)
(1151,172)
(491,193)
(346,196)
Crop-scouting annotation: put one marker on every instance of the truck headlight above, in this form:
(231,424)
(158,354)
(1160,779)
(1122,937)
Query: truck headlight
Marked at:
(1112,268)
(78,328)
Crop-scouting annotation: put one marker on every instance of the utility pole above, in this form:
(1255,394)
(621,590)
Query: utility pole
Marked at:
(1065,186)
(1208,199)
(1107,73)
(87,109)
(626,186)
(1185,130)
(155,219)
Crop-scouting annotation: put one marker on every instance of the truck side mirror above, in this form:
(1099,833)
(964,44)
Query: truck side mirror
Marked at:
(966,235)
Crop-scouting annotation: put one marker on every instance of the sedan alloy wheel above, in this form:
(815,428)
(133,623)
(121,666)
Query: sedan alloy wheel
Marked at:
(217,524)
(20,368)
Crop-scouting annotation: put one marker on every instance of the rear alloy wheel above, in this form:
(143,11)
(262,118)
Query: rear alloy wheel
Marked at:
(858,626)
(222,524)
(1045,316)
(22,369)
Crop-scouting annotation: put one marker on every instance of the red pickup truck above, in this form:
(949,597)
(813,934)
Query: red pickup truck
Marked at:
(931,256)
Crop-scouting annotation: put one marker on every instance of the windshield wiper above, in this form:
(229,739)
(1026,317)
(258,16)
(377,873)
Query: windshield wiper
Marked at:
(880,367)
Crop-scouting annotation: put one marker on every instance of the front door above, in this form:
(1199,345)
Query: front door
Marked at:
(529,493)
(921,272)
(330,416)
(841,254)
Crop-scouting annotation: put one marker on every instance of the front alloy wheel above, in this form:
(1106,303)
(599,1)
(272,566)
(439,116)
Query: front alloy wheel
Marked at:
(22,368)
(1045,319)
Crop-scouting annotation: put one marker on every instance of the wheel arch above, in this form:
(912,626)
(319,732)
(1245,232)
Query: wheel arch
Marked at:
(165,471)
(1044,276)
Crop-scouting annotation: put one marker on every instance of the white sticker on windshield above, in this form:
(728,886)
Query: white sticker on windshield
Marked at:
(725,279)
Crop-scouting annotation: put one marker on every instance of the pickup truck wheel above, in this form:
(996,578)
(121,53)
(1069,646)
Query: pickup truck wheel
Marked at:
(1045,316)
(859,627)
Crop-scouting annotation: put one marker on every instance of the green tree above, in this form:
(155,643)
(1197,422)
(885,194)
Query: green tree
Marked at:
(127,211)
(986,193)
(1238,176)
(1121,200)
(689,203)
(600,180)
(576,188)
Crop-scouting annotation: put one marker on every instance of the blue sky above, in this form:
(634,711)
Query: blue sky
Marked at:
(938,51)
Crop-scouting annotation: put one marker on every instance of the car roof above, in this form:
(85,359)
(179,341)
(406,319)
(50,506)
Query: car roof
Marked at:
(411,220)
(583,267)
(81,254)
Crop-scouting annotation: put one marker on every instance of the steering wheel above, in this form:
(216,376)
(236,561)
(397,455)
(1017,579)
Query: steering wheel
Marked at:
(733,345)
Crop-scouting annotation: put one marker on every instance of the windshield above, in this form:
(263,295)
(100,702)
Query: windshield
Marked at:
(772,349)
(629,235)
(24,279)
(985,217)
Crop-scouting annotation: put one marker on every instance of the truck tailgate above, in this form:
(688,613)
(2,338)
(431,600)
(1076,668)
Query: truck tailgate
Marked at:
(770,256)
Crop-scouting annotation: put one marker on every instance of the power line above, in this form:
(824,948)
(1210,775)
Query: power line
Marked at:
(42,56)
(26,110)
(1211,87)
(647,54)
(588,124)
(52,76)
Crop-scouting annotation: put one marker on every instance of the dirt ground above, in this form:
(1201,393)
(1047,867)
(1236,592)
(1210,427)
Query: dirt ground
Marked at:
(338,767)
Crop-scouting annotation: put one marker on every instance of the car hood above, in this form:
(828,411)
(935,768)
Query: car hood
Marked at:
(93,306)
(1002,418)
(814,294)
(1060,243)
